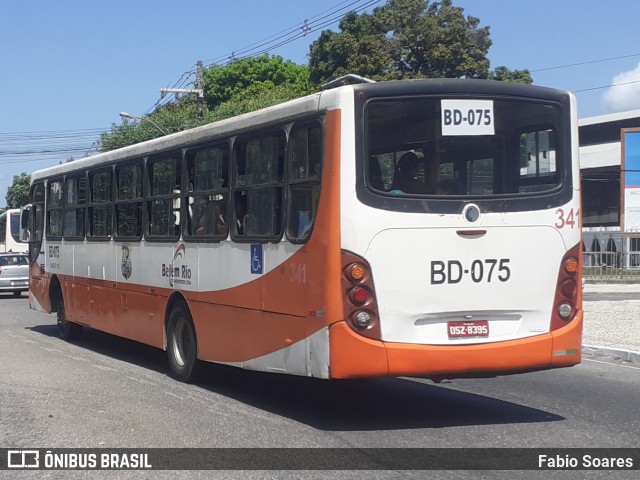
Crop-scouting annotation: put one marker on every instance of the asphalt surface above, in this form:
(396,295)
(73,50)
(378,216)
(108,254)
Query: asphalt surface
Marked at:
(612,321)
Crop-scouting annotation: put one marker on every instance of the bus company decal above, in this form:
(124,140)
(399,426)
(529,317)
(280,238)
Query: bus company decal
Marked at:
(178,272)
(54,256)
(125,264)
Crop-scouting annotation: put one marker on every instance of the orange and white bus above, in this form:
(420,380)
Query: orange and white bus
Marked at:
(10,231)
(418,228)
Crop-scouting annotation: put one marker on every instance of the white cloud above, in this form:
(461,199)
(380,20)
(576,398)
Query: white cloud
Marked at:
(625,96)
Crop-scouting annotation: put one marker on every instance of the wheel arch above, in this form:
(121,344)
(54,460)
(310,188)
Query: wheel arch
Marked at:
(55,293)
(175,298)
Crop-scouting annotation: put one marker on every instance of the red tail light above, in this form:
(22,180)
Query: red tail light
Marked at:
(360,306)
(358,296)
(568,288)
(568,297)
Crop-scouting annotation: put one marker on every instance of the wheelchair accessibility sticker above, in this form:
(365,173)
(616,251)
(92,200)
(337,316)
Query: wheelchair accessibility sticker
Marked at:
(256,259)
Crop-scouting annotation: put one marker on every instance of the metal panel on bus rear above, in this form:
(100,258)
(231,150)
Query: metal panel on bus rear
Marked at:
(435,276)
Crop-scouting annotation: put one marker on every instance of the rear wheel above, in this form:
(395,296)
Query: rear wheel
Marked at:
(182,350)
(67,330)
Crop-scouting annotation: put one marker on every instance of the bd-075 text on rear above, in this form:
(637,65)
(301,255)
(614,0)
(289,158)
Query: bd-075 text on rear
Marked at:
(487,270)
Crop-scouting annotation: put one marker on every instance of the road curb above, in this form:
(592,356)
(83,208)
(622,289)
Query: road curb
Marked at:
(618,353)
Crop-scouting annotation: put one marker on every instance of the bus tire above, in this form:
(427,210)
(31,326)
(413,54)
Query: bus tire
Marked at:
(182,349)
(67,330)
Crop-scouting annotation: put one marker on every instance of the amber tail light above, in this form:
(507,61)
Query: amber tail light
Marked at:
(568,295)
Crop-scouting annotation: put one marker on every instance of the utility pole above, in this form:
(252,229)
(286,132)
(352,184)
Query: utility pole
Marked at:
(199,90)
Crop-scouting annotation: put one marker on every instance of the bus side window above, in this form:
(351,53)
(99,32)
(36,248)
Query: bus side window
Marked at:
(207,196)
(241,215)
(74,200)
(258,181)
(54,209)
(305,163)
(37,199)
(100,204)
(163,203)
(129,201)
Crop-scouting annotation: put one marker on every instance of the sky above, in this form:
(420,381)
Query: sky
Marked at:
(68,67)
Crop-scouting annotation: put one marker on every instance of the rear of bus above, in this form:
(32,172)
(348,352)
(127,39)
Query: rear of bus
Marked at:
(472,266)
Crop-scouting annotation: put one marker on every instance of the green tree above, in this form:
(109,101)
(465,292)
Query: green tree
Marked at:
(254,76)
(242,86)
(361,48)
(170,118)
(503,74)
(18,192)
(406,39)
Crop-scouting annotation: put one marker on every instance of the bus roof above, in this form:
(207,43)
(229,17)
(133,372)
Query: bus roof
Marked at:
(204,133)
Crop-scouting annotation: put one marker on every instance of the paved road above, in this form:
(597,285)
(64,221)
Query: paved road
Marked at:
(109,392)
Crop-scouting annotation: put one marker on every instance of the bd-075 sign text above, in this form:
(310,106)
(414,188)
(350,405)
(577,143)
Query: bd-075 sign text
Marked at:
(479,271)
(467,117)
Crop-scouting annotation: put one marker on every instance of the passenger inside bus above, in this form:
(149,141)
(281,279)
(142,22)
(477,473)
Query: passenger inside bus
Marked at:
(405,177)
(212,221)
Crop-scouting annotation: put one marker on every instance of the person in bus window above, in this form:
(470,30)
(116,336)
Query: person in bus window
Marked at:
(207,224)
(405,177)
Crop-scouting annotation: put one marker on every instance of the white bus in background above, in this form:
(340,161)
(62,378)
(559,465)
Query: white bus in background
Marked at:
(10,230)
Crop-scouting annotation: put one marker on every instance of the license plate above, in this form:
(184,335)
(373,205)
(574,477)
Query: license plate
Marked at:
(477,328)
(19,284)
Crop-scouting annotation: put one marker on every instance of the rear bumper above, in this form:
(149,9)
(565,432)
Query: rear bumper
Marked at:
(352,355)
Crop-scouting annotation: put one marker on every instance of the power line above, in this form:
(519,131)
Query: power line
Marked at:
(284,37)
(52,145)
(27,147)
(606,86)
(295,32)
(589,62)
(327,17)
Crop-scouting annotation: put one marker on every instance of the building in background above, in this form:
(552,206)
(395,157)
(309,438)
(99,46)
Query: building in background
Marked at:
(606,249)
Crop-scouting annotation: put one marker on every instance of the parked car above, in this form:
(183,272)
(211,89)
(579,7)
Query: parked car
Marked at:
(14,273)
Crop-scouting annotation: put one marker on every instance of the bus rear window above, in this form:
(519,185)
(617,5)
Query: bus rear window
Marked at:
(507,147)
